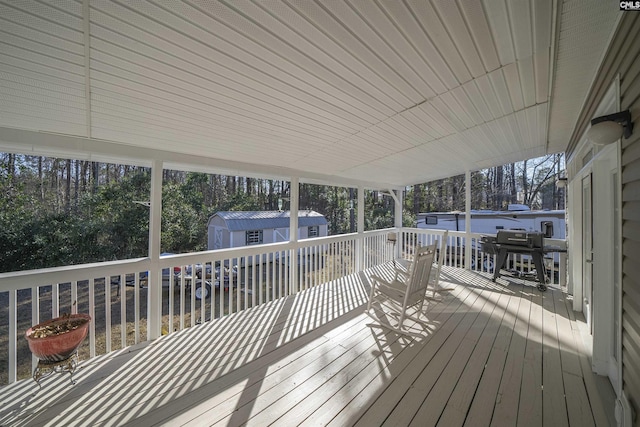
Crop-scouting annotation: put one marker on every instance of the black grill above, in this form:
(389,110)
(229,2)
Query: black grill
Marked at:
(517,242)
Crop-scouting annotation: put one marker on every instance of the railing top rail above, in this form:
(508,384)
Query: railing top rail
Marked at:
(63,274)
(45,276)
(562,243)
(431,231)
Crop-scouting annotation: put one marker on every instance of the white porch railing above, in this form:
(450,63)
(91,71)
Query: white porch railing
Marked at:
(196,287)
(555,263)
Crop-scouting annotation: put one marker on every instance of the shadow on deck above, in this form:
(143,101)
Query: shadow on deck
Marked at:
(486,353)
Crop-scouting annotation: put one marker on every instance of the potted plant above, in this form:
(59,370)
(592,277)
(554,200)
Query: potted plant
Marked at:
(57,339)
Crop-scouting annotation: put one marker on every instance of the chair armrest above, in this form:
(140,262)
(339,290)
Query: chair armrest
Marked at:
(380,280)
(400,275)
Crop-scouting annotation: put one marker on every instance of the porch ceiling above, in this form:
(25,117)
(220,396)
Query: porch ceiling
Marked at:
(382,92)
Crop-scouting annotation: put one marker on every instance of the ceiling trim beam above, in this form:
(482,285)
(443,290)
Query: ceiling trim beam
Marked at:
(76,147)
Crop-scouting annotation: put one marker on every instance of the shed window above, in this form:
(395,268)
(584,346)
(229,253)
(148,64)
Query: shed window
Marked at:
(314,231)
(254,237)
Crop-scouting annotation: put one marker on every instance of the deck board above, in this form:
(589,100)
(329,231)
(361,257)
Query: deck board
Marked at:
(553,392)
(392,361)
(530,410)
(463,358)
(505,411)
(483,354)
(484,399)
(455,410)
(384,404)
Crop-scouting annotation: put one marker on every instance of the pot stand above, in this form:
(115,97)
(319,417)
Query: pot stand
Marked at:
(44,368)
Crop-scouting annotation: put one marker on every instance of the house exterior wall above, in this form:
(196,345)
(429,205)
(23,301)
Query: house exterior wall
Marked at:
(623,61)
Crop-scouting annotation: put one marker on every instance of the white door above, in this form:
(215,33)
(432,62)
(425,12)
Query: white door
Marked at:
(606,274)
(587,250)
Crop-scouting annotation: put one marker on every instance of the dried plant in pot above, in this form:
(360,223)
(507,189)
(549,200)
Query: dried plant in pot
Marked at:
(57,339)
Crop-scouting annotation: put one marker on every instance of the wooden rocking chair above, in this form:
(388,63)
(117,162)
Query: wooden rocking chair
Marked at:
(434,279)
(402,294)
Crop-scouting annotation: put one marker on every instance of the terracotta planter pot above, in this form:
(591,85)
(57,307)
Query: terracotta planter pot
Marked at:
(58,347)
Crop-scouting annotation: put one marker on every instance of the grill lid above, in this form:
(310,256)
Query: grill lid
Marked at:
(529,239)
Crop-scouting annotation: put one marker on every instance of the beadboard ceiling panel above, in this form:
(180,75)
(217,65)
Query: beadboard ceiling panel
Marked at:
(42,72)
(582,40)
(381,93)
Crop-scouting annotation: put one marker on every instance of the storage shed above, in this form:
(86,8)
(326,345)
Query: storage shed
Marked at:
(232,229)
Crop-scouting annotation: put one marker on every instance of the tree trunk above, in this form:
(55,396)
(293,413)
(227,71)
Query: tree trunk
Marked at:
(76,184)
(40,178)
(525,184)
(95,171)
(514,190)
(67,188)
(500,188)
(417,198)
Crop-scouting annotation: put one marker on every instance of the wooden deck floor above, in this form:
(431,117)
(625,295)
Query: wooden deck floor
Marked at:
(500,354)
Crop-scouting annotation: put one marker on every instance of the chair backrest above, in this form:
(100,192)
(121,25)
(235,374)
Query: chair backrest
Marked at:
(420,269)
(441,255)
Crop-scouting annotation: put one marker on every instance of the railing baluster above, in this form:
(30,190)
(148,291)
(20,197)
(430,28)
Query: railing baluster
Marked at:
(336,260)
(35,317)
(92,313)
(203,283)
(305,269)
(316,271)
(55,300)
(260,282)
(192,293)
(172,303)
(136,307)
(233,287)
(123,311)
(221,293)
(74,297)
(271,278)
(246,282)
(182,296)
(107,313)
(13,336)
(255,282)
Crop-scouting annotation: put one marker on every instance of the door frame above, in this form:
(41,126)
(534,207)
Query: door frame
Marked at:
(603,164)
(587,231)
(607,278)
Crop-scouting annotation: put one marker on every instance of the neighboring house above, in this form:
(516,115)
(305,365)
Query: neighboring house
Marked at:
(244,228)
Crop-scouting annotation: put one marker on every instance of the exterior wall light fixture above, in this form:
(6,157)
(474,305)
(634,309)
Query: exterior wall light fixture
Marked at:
(607,129)
(561,182)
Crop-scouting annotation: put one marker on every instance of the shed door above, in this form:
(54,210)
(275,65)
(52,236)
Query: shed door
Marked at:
(217,243)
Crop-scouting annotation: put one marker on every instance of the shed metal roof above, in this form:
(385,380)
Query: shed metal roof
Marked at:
(260,220)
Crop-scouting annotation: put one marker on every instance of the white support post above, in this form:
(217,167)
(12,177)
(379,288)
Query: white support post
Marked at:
(360,227)
(397,219)
(294,196)
(86,27)
(154,326)
(467,220)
